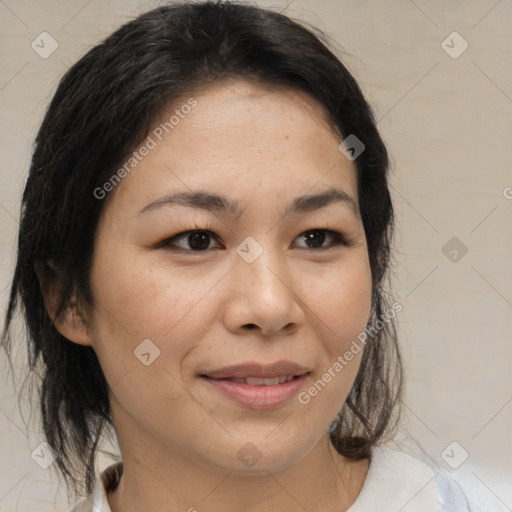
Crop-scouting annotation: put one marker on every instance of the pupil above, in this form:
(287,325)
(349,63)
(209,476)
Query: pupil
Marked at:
(199,241)
(315,238)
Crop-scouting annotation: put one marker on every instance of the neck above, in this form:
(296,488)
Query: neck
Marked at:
(152,480)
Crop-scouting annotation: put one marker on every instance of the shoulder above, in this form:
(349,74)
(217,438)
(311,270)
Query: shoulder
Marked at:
(84,506)
(397,481)
(107,481)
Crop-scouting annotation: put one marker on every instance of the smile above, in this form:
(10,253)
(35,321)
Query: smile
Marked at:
(257,392)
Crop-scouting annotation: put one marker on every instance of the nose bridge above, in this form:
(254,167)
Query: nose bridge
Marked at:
(262,270)
(264,294)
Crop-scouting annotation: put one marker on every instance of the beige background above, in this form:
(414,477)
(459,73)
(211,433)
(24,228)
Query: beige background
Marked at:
(448,125)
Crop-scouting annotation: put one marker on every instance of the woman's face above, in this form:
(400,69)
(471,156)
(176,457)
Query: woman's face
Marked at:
(181,319)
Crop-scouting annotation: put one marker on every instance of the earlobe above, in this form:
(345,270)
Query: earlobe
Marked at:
(70,321)
(72,325)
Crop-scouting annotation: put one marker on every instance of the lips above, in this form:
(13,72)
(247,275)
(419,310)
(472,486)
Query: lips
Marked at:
(256,370)
(258,386)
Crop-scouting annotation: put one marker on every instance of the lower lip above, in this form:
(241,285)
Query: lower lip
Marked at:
(258,397)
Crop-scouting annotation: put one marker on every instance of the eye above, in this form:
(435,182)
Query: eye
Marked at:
(196,240)
(316,238)
(199,240)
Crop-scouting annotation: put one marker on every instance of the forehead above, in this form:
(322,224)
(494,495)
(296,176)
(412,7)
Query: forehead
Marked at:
(251,111)
(243,138)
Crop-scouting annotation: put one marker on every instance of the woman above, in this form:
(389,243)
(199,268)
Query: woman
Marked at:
(203,248)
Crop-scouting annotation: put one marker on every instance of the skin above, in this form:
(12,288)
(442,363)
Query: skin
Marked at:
(179,438)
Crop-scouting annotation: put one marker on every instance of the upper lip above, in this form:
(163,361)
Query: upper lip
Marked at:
(253,369)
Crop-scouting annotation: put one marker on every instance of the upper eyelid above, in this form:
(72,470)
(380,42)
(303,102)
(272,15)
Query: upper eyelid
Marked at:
(210,230)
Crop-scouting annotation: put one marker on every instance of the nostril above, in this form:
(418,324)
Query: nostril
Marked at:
(251,326)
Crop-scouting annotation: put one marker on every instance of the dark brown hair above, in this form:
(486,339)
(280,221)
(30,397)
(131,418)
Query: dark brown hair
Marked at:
(103,108)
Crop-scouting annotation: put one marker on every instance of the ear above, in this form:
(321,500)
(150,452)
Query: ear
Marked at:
(72,321)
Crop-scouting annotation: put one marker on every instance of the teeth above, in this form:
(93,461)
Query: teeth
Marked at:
(258,381)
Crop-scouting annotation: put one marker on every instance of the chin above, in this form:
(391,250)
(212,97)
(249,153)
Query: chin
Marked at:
(262,456)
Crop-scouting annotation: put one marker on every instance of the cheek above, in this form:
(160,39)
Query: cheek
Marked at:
(137,302)
(150,325)
(147,299)
(341,300)
(341,305)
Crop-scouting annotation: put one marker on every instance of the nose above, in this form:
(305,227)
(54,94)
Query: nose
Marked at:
(263,297)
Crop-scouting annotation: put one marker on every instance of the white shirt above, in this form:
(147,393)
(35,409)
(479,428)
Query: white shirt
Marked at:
(396,482)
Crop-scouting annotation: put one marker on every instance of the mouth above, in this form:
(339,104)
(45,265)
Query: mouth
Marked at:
(258,386)
(262,381)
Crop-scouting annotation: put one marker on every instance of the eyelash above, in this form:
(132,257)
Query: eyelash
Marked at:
(337,239)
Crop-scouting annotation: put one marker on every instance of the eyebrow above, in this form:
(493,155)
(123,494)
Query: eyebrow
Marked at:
(219,203)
